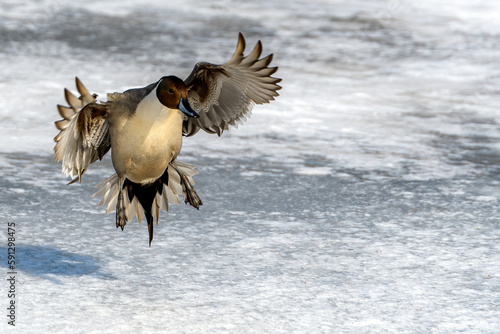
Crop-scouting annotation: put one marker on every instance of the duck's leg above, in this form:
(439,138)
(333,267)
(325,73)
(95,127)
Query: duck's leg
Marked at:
(121,207)
(190,195)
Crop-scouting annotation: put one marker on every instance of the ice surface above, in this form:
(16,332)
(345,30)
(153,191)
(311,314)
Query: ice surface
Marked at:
(363,200)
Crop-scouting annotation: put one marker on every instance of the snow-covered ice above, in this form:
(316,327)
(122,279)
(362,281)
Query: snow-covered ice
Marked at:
(363,200)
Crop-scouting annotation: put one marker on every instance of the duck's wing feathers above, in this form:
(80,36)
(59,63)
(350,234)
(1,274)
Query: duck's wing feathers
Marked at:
(84,135)
(224,94)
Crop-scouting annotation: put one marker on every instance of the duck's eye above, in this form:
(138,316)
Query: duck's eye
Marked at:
(171,91)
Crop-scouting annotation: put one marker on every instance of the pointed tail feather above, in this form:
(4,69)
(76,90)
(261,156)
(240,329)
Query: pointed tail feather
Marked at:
(149,218)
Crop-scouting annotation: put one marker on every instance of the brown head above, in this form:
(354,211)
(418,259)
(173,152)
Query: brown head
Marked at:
(172,93)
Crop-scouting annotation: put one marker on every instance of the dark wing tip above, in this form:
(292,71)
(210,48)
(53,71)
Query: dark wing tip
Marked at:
(67,93)
(62,124)
(267,60)
(80,87)
(259,46)
(66,112)
(277,79)
(240,47)
(72,100)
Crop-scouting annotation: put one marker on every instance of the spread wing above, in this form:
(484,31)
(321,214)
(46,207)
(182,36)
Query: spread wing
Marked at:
(84,135)
(224,94)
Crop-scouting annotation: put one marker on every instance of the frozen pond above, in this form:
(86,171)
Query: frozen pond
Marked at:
(363,200)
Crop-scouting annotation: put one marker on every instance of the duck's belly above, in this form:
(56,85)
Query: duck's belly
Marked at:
(141,152)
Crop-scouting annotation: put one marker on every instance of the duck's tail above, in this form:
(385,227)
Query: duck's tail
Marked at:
(130,198)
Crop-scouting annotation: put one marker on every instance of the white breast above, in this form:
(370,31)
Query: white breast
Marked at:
(144,144)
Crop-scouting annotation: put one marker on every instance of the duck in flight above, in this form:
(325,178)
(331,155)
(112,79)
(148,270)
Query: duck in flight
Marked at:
(144,127)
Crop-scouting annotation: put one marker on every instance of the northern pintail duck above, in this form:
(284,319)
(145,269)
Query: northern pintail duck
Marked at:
(143,127)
